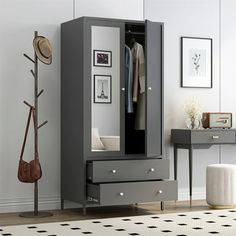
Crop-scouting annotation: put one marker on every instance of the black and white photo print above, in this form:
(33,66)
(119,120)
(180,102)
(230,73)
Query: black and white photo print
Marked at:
(102,88)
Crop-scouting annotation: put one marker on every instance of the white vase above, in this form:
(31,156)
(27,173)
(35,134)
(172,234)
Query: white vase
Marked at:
(193,123)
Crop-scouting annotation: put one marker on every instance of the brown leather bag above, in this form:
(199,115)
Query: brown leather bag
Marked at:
(29,172)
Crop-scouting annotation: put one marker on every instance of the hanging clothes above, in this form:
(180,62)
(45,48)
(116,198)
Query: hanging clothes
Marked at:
(128,79)
(139,85)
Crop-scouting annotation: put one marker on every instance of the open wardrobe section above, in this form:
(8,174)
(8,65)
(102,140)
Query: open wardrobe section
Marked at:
(112,113)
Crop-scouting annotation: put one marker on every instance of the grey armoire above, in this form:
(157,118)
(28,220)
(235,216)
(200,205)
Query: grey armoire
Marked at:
(107,158)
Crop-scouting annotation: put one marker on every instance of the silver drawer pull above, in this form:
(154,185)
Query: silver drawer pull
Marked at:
(152,170)
(150,88)
(113,171)
(121,194)
(160,191)
(123,89)
(215,137)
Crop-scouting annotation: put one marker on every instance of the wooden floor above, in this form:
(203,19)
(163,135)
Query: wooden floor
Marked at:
(105,212)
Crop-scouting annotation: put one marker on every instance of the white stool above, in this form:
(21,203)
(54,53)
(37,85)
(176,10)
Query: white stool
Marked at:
(221,185)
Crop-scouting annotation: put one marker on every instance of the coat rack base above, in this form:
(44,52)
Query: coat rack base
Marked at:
(32,214)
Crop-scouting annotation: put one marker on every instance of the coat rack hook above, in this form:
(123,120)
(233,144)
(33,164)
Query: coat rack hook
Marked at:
(25,55)
(44,123)
(40,93)
(26,103)
(32,73)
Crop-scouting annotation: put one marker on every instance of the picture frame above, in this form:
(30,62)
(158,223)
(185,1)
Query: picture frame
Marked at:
(196,62)
(102,89)
(102,58)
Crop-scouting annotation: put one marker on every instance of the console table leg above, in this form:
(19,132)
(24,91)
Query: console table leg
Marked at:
(175,161)
(190,172)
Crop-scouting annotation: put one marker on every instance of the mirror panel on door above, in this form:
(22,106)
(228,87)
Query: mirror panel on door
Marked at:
(105,84)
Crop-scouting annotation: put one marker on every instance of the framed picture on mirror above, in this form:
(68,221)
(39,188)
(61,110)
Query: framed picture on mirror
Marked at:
(102,58)
(102,89)
(196,62)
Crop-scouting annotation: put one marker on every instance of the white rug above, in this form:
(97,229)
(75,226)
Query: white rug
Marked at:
(216,222)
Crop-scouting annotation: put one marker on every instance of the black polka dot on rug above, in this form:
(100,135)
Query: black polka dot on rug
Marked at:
(120,229)
(107,226)
(126,219)
(222,216)
(181,235)
(182,224)
(210,221)
(168,220)
(214,232)
(87,232)
(197,228)
(182,215)
(52,235)
(64,224)
(232,211)
(227,225)
(152,227)
(1,230)
(155,217)
(139,223)
(196,218)
(134,234)
(31,227)
(207,213)
(96,222)
(42,231)
(6,234)
(166,231)
(75,228)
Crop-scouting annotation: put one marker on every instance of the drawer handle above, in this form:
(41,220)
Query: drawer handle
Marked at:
(215,137)
(121,194)
(113,171)
(123,89)
(160,191)
(152,170)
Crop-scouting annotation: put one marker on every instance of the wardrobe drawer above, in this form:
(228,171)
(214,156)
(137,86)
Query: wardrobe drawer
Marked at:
(128,170)
(132,192)
(213,136)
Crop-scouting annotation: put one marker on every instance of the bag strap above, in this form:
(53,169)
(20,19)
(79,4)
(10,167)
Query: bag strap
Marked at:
(35,127)
(26,133)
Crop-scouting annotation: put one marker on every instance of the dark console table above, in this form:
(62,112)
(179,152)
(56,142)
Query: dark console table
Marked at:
(198,139)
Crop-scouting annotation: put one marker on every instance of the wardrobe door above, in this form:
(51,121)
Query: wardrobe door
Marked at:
(154,90)
(103,87)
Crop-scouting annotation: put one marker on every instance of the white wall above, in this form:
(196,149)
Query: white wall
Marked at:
(228,85)
(187,18)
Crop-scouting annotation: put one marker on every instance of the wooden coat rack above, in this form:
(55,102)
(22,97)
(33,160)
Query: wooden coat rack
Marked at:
(35,213)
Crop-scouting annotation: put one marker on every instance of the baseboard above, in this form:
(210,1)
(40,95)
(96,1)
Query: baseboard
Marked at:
(27,204)
(198,193)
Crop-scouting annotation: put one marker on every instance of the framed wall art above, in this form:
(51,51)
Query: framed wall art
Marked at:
(196,62)
(102,58)
(102,89)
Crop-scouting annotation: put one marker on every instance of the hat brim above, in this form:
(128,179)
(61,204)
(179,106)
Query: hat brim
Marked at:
(43,59)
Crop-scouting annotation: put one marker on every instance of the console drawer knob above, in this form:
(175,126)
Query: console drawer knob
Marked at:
(152,170)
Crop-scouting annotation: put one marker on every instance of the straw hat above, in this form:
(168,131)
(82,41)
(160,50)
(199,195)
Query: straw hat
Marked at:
(43,49)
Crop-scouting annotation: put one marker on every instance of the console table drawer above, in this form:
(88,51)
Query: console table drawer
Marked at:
(213,137)
(128,170)
(133,192)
